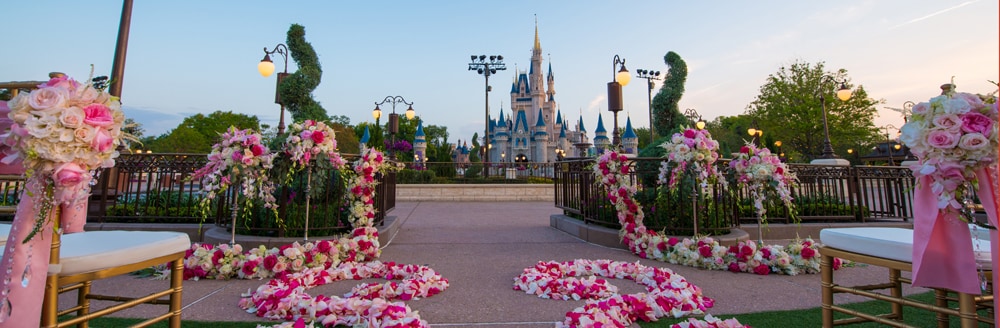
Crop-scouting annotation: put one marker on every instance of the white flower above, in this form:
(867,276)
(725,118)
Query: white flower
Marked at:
(40,127)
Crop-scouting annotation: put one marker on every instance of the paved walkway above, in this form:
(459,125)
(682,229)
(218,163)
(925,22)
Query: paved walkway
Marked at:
(480,247)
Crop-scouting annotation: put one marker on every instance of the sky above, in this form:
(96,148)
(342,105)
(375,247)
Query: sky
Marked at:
(187,57)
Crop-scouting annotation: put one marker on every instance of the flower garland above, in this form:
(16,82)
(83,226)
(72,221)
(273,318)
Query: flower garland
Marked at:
(953,136)
(669,294)
(241,158)
(63,132)
(800,256)
(286,298)
(224,262)
(765,176)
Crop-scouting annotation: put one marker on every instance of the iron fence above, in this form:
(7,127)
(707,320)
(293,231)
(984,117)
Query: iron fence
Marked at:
(500,173)
(156,188)
(825,193)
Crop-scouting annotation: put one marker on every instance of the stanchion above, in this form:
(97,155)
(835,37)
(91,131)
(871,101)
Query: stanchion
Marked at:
(309,173)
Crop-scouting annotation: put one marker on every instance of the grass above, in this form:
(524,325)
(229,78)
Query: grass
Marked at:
(799,318)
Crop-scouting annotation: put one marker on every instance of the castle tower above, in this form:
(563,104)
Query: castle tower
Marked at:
(540,139)
(532,95)
(420,144)
(601,141)
(630,141)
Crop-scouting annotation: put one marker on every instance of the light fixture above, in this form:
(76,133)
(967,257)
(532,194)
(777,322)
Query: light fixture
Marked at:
(700,125)
(377,113)
(897,146)
(752,132)
(843,92)
(410,113)
(622,77)
(777,143)
(266,66)
(850,150)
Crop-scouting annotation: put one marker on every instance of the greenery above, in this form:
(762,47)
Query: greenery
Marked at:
(157,207)
(823,205)
(789,109)
(197,133)
(666,114)
(296,89)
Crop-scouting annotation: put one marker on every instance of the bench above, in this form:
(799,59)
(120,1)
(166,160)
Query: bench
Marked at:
(891,248)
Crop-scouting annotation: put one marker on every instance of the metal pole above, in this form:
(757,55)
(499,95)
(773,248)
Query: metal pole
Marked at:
(827,146)
(649,93)
(121,47)
(486,134)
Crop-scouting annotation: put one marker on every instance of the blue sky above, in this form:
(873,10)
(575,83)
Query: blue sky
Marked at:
(188,57)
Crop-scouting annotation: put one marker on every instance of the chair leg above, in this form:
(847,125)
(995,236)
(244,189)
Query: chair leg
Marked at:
(176,279)
(83,302)
(50,302)
(967,310)
(941,301)
(897,293)
(826,271)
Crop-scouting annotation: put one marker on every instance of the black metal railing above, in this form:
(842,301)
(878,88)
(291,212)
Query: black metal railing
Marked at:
(155,188)
(826,193)
(458,173)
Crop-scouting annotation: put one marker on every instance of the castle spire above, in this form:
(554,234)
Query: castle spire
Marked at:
(538,45)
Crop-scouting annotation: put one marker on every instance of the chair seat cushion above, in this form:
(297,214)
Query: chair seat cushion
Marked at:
(97,250)
(889,243)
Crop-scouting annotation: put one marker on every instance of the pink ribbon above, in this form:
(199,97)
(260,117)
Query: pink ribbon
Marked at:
(988,196)
(942,244)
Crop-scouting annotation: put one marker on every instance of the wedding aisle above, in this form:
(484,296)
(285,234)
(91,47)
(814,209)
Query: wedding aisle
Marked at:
(480,247)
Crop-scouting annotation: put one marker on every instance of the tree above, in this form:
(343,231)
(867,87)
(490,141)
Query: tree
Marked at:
(438,149)
(474,152)
(296,88)
(666,115)
(789,109)
(347,141)
(730,132)
(207,128)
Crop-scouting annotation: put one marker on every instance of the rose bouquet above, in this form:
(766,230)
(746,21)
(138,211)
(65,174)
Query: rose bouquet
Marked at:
(766,177)
(63,132)
(240,158)
(691,149)
(953,135)
(310,140)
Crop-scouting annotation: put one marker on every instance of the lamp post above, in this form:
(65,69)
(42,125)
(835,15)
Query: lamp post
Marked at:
(377,113)
(266,67)
(485,67)
(394,118)
(650,76)
(781,155)
(843,93)
(619,79)
(693,115)
(888,142)
(756,136)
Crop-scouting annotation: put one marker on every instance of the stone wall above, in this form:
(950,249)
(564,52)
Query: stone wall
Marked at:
(474,192)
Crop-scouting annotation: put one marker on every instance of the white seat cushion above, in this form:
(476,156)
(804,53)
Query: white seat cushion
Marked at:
(96,250)
(889,243)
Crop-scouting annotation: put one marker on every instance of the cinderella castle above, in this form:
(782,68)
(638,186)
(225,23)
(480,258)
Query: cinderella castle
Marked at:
(534,128)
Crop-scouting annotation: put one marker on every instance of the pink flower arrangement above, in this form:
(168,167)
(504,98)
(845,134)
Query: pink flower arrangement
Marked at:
(239,158)
(669,294)
(310,140)
(765,176)
(799,256)
(953,135)
(62,132)
(691,149)
(709,322)
(286,299)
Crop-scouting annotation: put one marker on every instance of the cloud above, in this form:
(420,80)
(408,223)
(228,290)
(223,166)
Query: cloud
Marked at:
(595,104)
(935,14)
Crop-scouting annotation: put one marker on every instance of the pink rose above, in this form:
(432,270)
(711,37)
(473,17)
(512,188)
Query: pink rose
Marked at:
(307,134)
(61,81)
(808,253)
(689,133)
(98,115)
(705,251)
(976,122)
(734,267)
(102,141)
(318,137)
(257,150)
(69,174)
(973,141)
(950,122)
(921,108)
(942,139)
(974,101)
(42,99)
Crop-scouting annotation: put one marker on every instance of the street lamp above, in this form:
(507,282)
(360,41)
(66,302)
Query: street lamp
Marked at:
(560,154)
(485,67)
(620,79)
(888,142)
(650,76)
(781,155)
(693,115)
(393,118)
(843,93)
(755,135)
(266,67)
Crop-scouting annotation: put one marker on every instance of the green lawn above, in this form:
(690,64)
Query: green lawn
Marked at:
(797,318)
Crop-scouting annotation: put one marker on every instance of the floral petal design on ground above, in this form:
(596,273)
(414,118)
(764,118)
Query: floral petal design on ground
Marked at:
(668,293)
(285,297)
(799,256)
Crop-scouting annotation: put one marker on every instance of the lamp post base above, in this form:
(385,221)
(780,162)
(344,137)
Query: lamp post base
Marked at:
(831,161)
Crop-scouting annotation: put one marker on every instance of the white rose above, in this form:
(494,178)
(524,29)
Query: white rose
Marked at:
(42,99)
(85,133)
(956,106)
(72,117)
(40,127)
